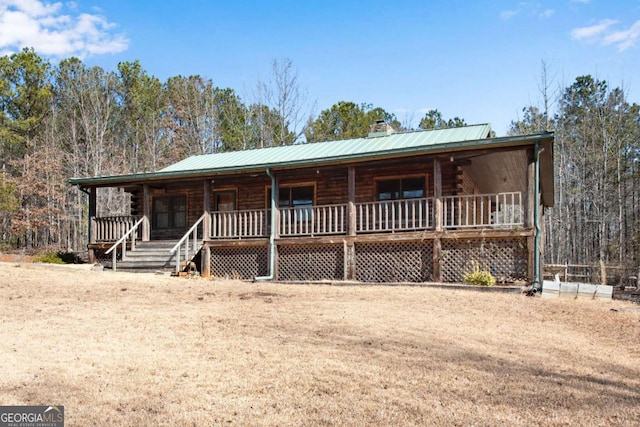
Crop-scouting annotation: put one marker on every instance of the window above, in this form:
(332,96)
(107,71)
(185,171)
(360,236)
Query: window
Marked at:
(400,188)
(169,212)
(295,196)
(224,201)
(299,200)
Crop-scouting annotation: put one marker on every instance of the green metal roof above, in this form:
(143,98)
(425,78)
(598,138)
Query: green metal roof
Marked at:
(347,149)
(321,153)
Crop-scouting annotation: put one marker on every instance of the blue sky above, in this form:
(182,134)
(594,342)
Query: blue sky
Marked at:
(477,60)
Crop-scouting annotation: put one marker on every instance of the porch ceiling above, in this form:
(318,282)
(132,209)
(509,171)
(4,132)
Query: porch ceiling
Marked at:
(504,171)
(499,172)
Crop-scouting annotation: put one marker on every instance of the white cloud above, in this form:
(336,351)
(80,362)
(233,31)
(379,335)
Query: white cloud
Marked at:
(547,13)
(529,9)
(624,39)
(507,14)
(35,8)
(592,31)
(44,26)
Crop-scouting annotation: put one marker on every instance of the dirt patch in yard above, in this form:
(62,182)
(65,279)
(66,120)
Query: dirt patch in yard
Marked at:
(15,257)
(142,349)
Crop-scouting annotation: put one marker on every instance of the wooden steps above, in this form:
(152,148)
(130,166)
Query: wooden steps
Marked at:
(148,256)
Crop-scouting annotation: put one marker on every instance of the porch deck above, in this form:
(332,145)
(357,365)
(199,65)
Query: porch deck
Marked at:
(410,240)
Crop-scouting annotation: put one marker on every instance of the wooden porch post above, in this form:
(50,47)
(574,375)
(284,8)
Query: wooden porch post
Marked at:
(437,244)
(437,193)
(206,201)
(146,213)
(92,224)
(92,214)
(529,215)
(275,212)
(205,260)
(351,208)
(205,255)
(349,246)
(530,199)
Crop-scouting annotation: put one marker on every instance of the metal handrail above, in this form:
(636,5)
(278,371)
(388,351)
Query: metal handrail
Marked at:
(185,240)
(123,241)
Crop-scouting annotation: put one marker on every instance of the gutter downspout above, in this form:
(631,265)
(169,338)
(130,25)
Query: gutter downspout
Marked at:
(272,235)
(536,216)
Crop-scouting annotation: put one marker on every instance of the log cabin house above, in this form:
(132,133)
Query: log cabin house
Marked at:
(417,207)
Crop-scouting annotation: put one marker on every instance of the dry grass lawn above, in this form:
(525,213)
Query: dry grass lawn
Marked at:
(140,349)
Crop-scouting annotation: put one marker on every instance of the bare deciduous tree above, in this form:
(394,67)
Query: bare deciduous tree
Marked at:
(288,100)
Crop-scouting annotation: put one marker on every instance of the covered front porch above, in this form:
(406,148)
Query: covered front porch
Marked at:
(398,241)
(429,238)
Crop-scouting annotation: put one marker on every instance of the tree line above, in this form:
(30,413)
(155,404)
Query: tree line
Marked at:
(596,216)
(72,120)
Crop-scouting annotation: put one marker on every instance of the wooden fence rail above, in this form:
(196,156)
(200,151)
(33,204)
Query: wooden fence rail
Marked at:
(593,273)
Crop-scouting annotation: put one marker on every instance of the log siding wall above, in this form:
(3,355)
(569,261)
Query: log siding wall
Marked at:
(331,186)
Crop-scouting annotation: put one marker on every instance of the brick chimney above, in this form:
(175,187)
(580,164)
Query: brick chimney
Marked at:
(381,128)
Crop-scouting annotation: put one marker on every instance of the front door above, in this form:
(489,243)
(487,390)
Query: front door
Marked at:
(169,216)
(224,224)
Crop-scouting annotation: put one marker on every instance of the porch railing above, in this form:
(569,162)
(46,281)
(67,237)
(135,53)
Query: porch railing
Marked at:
(239,224)
(190,241)
(313,220)
(394,215)
(464,211)
(483,210)
(131,234)
(111,228)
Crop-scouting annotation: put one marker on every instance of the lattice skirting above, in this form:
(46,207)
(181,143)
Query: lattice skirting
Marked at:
(102,258)
(394,261)
(243,263)
(311,262)
(382,262)
(506,259)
